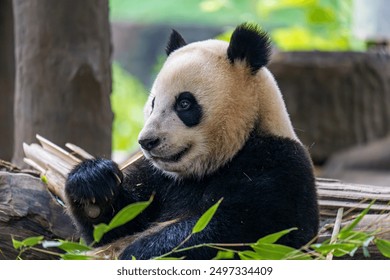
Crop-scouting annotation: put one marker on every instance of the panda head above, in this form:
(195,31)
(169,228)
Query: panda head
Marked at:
(207,99)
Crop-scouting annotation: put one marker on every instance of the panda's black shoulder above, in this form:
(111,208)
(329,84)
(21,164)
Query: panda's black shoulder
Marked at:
(272,152)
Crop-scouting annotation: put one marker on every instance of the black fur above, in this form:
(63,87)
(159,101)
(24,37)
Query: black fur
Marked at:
(192,115)
(267,187)
(251,44)
(175,42)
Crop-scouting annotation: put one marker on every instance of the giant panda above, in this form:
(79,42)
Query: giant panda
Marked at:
(215,127)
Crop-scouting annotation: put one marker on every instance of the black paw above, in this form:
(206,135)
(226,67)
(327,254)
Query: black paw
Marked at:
(93,184)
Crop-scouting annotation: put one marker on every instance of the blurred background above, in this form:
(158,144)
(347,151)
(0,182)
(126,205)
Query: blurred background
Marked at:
(80,72)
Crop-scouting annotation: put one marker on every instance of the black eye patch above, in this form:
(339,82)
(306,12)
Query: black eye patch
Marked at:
(153,102)
(188,109)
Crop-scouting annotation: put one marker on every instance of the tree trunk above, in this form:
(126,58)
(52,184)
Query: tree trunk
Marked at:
(7,76)
(336,100)
(63,74)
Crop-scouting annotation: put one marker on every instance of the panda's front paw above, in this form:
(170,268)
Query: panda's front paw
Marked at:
(92,185)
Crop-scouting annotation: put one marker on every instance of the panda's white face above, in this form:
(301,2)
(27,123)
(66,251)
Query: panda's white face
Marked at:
(202,109)
(176,136)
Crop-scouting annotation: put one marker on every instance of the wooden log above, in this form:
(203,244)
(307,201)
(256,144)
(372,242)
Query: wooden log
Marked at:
(334,194)
(336,100)
(28,209)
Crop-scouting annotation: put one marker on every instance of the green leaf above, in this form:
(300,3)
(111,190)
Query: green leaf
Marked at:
(278,252)
(383,247)
(338,250)
(354,223)
(71,247)
(248,255)
(128,213)
(17,244)
(272,238)
(224,255)
(44,179)
(169,258)
(28,242)
(75,257)
(205,219)
(124,216)
(99,231)
(353,236)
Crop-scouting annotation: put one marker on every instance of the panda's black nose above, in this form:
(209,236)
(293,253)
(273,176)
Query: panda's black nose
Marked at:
(149,143)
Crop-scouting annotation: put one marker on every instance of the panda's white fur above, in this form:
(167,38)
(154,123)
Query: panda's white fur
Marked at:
(240,102)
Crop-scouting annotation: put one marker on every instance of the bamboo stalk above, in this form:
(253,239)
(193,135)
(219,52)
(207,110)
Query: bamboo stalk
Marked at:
(336,230)
(56,150)
(346,204)
(79,151)
(353,195)
(131,160)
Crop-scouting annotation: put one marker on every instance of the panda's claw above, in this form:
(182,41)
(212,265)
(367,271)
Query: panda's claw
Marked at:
(94,181)
(119,181)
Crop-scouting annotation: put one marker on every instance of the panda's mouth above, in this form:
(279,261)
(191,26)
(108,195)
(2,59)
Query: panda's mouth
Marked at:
(173,158)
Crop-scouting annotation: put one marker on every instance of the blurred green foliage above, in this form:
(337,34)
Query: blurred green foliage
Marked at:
(127,101)
(293,24)
(214,12)
(310,24)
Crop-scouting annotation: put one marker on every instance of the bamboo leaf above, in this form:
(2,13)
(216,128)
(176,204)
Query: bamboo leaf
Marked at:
(354,223)
(128,213)
(248,255)
(224,255)
(338,250)
(383,247)
(75,257)
(278,252)
(17,244)
(28,242)
(169,258)
(272,238)
(99,231)
(353,236)
(205,219)
(124,216)
(72,247)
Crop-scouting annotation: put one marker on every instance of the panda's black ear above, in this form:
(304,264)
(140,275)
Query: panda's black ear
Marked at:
(251,44)
(175,42)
